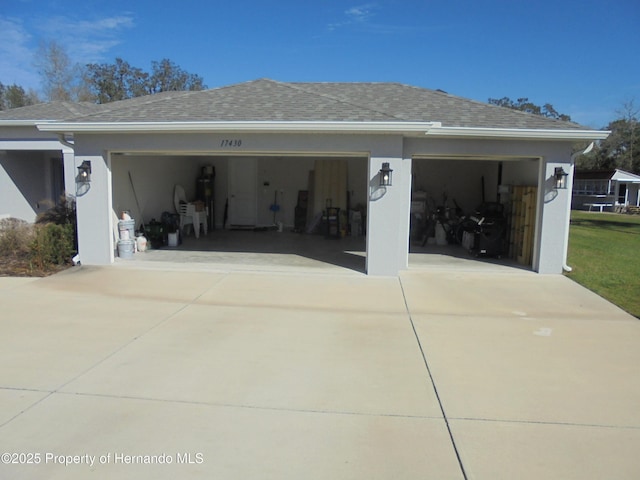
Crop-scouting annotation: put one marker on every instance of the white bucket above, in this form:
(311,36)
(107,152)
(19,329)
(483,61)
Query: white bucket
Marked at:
(173,239)
(126,229)
(125,248)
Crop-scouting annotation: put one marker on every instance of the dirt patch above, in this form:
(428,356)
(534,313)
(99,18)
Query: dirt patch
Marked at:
(15,267)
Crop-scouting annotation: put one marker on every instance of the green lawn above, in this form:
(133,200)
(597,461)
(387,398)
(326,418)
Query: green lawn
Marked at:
(604,252)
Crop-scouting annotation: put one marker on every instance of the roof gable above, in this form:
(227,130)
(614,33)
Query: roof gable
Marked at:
(622,175)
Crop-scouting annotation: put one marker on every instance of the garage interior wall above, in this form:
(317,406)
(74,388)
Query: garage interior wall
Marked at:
(459,180)
(289,175)
(154,178)
(462,179)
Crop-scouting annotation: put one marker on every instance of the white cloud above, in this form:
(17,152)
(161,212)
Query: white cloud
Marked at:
(15,54)
(355,15)
(87,41)
(360,13)
(110,24)
(361,17)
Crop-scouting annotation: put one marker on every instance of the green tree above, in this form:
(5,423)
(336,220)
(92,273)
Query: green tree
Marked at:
(166,76)
(14,96)
(524,105)
(119,81)
(621,149)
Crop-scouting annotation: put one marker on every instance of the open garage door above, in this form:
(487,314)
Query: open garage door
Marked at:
(474,209)
(275,224)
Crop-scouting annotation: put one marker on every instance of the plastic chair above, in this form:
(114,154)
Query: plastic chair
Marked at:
(188,213)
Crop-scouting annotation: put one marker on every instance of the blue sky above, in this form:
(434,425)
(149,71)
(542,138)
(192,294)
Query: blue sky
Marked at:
(583,57)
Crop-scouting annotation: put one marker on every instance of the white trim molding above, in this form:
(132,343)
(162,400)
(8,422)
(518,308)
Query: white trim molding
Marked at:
(271,127)
(519,133)
(407,128)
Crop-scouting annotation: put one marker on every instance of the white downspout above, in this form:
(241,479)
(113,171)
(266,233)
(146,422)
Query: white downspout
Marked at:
(64,141)
(566,267)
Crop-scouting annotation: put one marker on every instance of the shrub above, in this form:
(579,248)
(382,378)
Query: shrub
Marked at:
(64,213)
(52,245)
(15,238)
(42,248)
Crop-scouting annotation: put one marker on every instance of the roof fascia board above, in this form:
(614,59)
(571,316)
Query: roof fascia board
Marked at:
(20,123)
(32,144)
(426,128)
(332,127)
(519,133)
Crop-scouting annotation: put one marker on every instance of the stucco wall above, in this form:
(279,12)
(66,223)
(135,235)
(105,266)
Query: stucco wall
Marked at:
(554,208)
(25,133)
(520,172)
(30,182)
(26,183)
(388,209)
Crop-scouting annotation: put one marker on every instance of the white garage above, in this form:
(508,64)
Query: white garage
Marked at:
(267,141)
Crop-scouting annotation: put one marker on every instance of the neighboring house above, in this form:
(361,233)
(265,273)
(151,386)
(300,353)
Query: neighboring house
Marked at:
(605,190)
(266,139)
(33,163)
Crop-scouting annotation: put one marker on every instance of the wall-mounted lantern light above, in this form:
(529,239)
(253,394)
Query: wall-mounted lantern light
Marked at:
(561,178)
(84,172)
(386,175)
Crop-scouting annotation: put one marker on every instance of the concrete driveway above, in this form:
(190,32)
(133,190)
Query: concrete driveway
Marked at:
(445,374)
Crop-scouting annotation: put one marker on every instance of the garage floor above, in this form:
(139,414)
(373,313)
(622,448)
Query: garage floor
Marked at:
(275,251)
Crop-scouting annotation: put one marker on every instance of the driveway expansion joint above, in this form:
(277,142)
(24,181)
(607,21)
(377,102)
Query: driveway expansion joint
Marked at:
(247,406)
(433,383)
(543,422)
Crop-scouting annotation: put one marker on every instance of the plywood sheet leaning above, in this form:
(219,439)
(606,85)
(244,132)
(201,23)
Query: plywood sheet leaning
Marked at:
(515,234)
(529,212)
(523,210)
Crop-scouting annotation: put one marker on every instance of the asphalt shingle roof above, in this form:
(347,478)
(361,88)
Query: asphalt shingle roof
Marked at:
(50,111)
(269,100)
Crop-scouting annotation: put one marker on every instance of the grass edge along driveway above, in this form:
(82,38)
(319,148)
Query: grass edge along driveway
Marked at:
(604,253)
